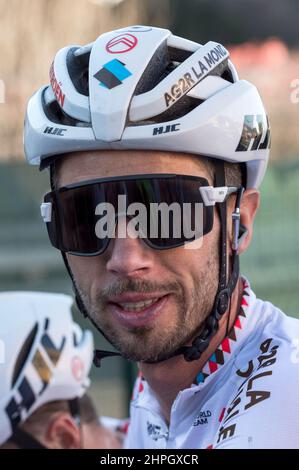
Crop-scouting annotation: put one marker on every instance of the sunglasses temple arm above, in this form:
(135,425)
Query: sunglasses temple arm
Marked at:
(236,219)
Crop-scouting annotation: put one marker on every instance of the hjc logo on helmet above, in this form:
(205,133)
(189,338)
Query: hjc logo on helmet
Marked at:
(55,131)
(166,129)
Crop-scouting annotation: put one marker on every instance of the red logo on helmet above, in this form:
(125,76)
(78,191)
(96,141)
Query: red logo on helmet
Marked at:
(78,369)
(121,43)
(56,87)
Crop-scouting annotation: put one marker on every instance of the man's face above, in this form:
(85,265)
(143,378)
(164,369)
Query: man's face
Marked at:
(147,302)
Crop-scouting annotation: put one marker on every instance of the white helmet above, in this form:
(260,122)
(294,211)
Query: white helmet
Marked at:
(44,355)
(144,88)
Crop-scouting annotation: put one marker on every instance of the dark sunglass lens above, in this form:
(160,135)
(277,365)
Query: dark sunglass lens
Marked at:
(77,212)
(184,217)
(172,213)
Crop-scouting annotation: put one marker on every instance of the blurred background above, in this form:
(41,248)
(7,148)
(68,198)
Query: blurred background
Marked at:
(262,36)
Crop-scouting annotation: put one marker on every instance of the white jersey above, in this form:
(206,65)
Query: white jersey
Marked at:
(246,395)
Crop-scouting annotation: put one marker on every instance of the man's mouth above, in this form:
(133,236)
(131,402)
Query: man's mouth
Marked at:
(137,306)
(137,310)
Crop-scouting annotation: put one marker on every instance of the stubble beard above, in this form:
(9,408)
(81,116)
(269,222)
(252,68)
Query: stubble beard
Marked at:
(154,343)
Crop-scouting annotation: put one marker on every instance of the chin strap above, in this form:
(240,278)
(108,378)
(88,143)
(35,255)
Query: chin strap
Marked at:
(225,289)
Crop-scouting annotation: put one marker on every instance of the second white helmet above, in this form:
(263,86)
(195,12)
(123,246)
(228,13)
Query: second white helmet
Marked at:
(44,355)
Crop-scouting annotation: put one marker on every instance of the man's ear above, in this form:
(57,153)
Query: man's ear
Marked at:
(62,432)
(249,206)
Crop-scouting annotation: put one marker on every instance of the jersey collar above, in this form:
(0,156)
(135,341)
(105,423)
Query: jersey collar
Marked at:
(229,344)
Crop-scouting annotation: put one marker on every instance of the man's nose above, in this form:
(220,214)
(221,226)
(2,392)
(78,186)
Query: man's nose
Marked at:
(128,256)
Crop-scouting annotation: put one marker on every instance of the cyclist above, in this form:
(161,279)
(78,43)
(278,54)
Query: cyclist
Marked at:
(158,119)
(44,366)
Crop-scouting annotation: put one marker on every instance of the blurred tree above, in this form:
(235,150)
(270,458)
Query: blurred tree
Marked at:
(32,31)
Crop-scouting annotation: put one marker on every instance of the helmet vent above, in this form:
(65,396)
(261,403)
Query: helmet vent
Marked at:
(55,114)
(227,75)
(178,55)
(78,70)
(155,68)
(185,105)
(163,62)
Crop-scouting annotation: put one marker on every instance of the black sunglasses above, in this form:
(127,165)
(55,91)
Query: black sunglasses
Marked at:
(73,217)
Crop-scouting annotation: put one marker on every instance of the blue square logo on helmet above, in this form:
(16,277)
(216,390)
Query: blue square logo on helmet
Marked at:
(112,74)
